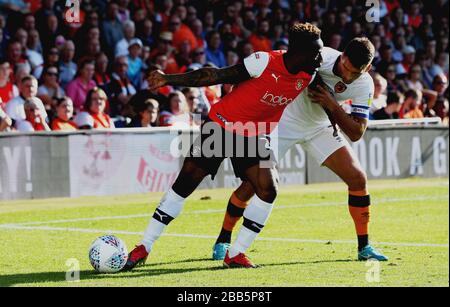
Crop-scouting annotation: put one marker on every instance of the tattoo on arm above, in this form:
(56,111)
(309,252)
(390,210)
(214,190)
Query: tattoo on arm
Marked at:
(210,76)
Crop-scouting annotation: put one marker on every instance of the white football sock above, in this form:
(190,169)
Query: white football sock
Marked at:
(169,208)
(255,217)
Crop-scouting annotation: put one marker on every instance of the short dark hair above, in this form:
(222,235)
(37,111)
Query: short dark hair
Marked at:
(411,94)
(394,97)
(301,35)
(360,51)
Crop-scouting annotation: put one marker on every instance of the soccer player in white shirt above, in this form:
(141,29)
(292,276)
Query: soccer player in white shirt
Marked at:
(344,76)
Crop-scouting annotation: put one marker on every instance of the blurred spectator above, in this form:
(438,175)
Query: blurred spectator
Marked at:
(78,88)
(111,27)
(102,77)
(260,40)
(379,97)
(440,85)
(95,105)
(67,67)
(145,32)
(64,114)
(414,79)
(198,104)
(164,47)
(392,109)
(120,89)
(16,57)
(34,119)
(7,88)
(129,32)
(135,63)
(213,53)
(411,107)
(197,30)
(27,90)
(50,88)
(177,112)
(181,33)
(34,58)
(147,115)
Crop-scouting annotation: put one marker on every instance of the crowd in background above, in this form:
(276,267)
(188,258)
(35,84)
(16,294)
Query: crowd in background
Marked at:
(65,70)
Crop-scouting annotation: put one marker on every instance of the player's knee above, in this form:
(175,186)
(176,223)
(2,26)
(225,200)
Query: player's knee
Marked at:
(358,181)
(268,193)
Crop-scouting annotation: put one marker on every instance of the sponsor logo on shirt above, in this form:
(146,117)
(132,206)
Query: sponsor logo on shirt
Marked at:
(340,87)
(273,100)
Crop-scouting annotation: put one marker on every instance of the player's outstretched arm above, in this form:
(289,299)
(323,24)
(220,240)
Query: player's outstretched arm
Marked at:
(200,77)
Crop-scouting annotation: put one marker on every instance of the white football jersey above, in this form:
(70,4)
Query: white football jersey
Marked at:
(303,118)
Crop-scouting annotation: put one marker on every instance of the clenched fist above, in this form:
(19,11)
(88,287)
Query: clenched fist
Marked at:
(156,80)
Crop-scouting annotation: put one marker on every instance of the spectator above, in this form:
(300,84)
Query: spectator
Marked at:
(392,109)
(164,47)
(50,88)
(135,63)
(198,57)
(197,30)
(67,67)
(414,80)
(198,104)
(34,58)
(379,97)
(7,88)
(101,77)
(82,84)
(147,114)
(129,32)
(16,57)
(440,85)
(181,33)
(145,32)
(120,89)
(27,90)
(111,27)
(95,105)
(213,53)
(64,114)
(34,118)
(177,113)
(259,39)
(411,107)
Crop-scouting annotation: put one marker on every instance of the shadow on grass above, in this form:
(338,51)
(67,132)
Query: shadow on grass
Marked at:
(145,271)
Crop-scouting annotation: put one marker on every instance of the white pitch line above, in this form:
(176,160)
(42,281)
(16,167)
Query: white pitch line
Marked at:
(213,211)
(196,236)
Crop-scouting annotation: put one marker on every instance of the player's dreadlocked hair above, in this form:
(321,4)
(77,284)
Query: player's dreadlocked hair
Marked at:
(301,35)
(360,51)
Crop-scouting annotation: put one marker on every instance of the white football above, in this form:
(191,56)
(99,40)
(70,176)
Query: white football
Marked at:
(108,254)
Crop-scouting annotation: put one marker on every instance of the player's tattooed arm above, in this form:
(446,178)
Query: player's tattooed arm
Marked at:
(354,127)
(201,77)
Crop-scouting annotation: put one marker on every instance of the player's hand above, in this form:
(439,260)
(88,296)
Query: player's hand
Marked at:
(156,80)
(322,96)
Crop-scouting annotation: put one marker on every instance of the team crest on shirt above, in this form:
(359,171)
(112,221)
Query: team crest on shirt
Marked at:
(299,85)
(340,87)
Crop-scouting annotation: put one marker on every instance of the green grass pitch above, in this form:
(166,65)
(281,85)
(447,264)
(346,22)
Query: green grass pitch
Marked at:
(309,239)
